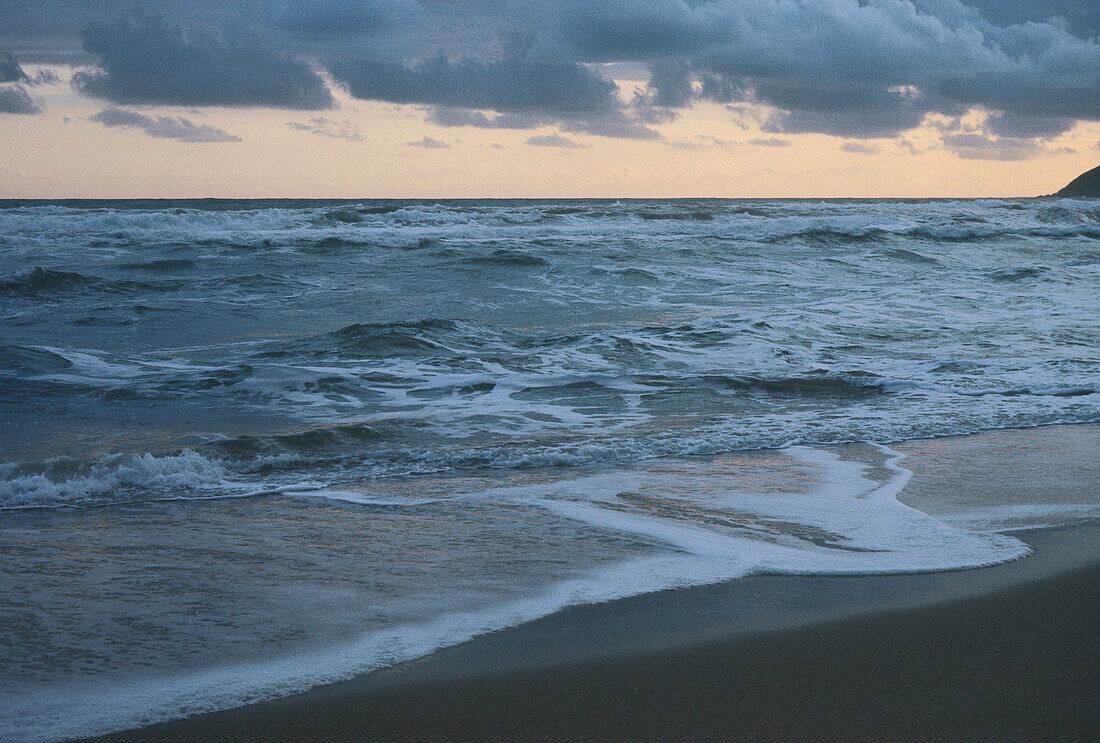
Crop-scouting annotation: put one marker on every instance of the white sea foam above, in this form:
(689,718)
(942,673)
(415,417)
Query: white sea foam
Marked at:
(1020,516)
(66,483)
(361,497)
(836,517)
(863,527)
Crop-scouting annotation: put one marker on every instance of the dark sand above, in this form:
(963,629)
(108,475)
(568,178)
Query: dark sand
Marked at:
(1005,653)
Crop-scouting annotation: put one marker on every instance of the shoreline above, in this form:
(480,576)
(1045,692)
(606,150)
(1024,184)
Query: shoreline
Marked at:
(1016,639)
(765,657)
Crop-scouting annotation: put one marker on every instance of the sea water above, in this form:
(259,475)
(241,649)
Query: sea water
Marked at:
(247,447)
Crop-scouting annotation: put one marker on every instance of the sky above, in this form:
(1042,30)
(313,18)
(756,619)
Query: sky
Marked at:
(541,98)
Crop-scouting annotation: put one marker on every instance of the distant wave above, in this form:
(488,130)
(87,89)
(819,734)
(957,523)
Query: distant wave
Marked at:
(302,226)
(956,233)
(694,216)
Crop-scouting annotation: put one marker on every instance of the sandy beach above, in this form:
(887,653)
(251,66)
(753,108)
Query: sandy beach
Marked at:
(1001,653)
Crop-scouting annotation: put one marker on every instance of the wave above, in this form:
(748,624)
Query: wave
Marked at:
(329,457)
(1017,273)
(314,440)
(855,384)
(386,339)
(38,280)
(45,283)
(331,244)
(164,264)
(910,256)
(505,257)
(953,233)
(833,234)
(31,360)
(689,216)
(1055,391)
(288,226)
(111,479)
(628,273)
(787,534)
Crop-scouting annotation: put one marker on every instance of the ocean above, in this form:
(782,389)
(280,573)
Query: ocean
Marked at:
(248,447)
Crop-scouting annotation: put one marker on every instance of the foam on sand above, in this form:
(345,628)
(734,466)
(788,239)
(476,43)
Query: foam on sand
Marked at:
(705,521)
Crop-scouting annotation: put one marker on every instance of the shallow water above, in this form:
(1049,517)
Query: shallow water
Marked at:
(247,447)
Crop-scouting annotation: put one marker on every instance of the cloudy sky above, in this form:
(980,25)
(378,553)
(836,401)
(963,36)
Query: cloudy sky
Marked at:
(434,98)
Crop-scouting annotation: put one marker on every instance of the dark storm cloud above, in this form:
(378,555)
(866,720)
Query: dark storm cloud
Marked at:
(15,100)
(523,92)
(854,68)
(1082,17)
(445,116)
(846,111)
(861,69)
(513,85)
(150,62)
(326,20)
(1017,125)
(163,127)
(980,146)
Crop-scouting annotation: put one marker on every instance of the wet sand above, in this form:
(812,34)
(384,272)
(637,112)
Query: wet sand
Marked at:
(1003,653)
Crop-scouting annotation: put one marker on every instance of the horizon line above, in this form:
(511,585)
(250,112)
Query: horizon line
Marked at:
(4,199)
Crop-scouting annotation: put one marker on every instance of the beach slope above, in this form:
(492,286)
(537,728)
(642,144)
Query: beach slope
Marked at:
(1019,663)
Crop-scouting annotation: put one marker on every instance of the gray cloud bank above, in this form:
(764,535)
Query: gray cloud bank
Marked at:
(852,68)
(325,127)
(429,143)
(163,127)
(554,140)
(150,62)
